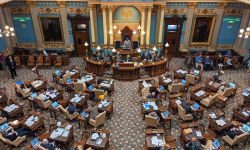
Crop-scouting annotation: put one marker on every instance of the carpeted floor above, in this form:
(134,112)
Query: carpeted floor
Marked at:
(126,124)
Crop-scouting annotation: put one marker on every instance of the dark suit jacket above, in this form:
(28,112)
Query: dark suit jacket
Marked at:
(71,109)
(11,65)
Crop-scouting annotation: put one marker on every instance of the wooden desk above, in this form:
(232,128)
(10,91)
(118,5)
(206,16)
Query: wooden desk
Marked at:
(108,109)
(16,112)
(95,67)
(167,120)
(144,111)
(214,126)
(180,75)
(155,68)
(124,53)
(40,87)
(126,71)
(188,136)
(83,101)
(148,81)
(238,114)
(105,140)
(197,89)
(156,133)
(36,125)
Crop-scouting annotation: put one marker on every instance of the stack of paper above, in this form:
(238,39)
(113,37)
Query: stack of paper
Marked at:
(94,136)
(168,80)
(68,127)
(201,92)
(181,71)
(155,107)
(156,141)
(76,99)
(105,85)
(10,108)
(213,115)
(220,122)
(198,133)
(37,83)
(99,141)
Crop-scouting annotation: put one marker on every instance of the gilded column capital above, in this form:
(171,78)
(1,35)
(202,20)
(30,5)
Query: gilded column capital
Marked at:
(62,4)
(31,3)
(150,8)
(91,6)
(162,7)
(192,5)
(143,9)
(104,7)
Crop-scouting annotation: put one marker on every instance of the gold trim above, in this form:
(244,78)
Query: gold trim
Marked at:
(233,12)
(26,45)
(210,33)
(48,10)
(20,10)
(41,29)
(225,46)
(78,11)
(174,11)
(54,45)
(201,11)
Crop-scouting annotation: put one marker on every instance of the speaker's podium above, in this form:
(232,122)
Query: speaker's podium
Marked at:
(127,51)
(126,71)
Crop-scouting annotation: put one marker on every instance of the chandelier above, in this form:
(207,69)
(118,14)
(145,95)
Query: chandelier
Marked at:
(244,33)
(7,31)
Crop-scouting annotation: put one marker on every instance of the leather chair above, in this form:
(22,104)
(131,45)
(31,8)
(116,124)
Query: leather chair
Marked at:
(175,88)
(18,61)
(79,87)
(209,145)
(190,79)
(15,143)
(58,62)
(64,78)
(24,92)
(237,139)
(151,121)
(99,92)
(47,62)
(209,100)
(182,114)
(227,92)
(43,104)
(39,62)
(99,120)
(145,92)
(31,61)
(67,115)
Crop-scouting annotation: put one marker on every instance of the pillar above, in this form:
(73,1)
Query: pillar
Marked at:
(38,32)
(190,15)
(92,19)
(111,26)
(63,14)
(104,17)
(157,23)
(142,26)
(161,25)
(148,25)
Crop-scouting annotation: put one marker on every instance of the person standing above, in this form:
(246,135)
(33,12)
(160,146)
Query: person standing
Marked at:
(1,60)
(12,66)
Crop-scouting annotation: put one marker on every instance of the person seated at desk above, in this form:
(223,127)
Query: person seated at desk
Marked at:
(154,114)
(93,112)
(48,145)
(229,62)
(128,59)
(187,107)
(233,132)
(152,95)
(207,63)
(12,134)
(71,108)
(220,61)
(194,144)
(198,62)
(127,44)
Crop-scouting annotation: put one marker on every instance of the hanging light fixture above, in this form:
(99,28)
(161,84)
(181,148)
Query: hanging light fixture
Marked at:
(7,31)
(244,33)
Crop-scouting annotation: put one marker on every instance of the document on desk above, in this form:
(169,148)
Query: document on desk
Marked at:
(201,92)
(181,71)
(198,133)
(178,102)
(168,80)
(68,127)
(245,113)
(213,115)
(145,84)
(220,122)
(65,133)
(53,95)
(155,107)
(99,141)
(94,136)
(156,141)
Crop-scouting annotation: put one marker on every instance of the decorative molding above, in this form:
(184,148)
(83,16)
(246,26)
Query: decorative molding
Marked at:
(26,45)
(78,11)
(31,3)
(48,10)
(20,10)
(222,5)
(199,46)
(174,11)
(192,5)
(62,4)
(54,45)
(225,46)
(201,11)
(233,12)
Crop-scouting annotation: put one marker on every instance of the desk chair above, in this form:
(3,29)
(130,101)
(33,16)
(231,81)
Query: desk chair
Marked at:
(15,143)
(47,62)
(145,92)
(99,120)
(99,92)
(227,92)
(64,78)
(67,115)
(31,61)
(39,62)
(190,79)
(42,104)
(237,139)
(18,62)
(79,87)
(183,115)
(58,61)
(209,145)
(209,100)
(175,88)
(24,92)
(151,121)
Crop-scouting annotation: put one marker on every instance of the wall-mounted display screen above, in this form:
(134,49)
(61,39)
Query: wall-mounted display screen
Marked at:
(172,28)
(81,27)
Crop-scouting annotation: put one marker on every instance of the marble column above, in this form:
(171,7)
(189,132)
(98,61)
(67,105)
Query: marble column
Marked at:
(157,23)
(148,25)
(38,32)
(104,17)
(111,26)
(65,27)
(190,15)
(161,25)
(142,26)
(2,25)
(9,22)
(92,19)
(217,25)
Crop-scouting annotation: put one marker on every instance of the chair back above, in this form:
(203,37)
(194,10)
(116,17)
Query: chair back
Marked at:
(98,92)
(31,59)
(190,79)
(39,59)
(181,112)
(65,77)
(240,138)
(17,60)
(151,121)
(59,59)
(176,88)
(79,87)
(228,92)
(145,92)
(100,118)
(47,60)
(42,104)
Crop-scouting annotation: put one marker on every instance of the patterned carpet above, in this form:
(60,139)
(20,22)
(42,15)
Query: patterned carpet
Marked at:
(126,124)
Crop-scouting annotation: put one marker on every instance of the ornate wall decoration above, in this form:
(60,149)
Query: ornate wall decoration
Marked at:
(20,10)
(200,11)
(48,10)
(233,12)
(127,14)
(174,11)
(26,45)
(78,11)
(54,45)
(225,46)
(199,46)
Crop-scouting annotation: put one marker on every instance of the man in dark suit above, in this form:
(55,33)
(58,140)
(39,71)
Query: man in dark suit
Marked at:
(10,62)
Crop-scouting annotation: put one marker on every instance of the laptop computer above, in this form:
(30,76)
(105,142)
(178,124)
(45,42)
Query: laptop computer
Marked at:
(183,81)
(162,88)
(84,114)
(246,128)
(4,126)
(33,95)
(196,106)
(54,104)
(69,80)
(19,82)
(91,87)
(216,144)
(34,142)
